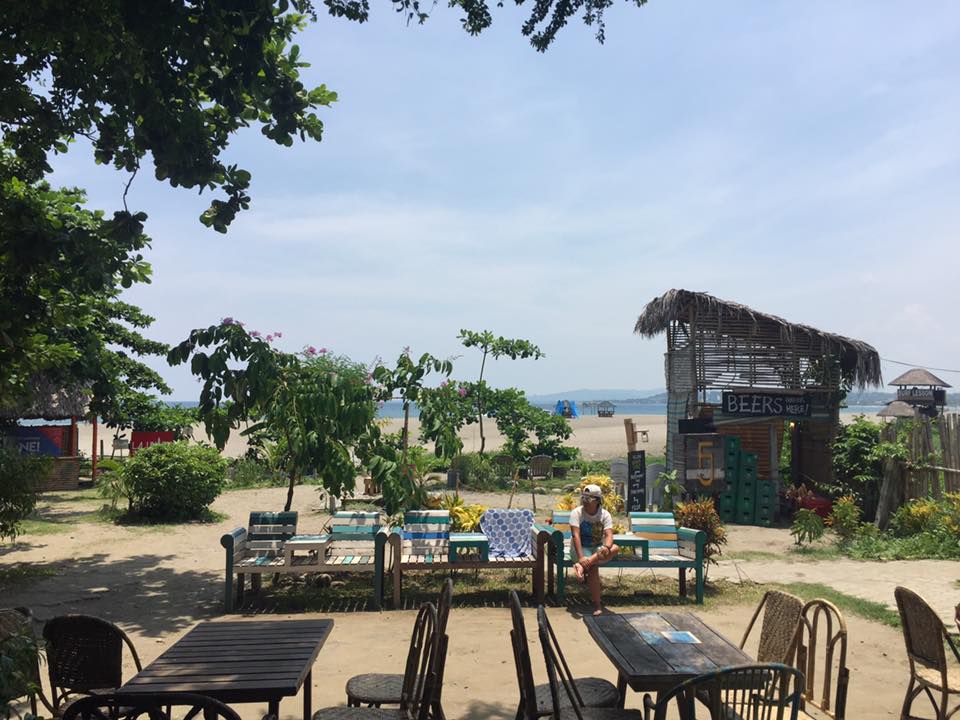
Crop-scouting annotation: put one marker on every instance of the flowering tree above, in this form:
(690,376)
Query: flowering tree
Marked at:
(320,409)
(496,347)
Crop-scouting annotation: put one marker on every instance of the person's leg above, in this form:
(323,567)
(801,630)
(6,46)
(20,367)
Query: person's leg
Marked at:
(593,584)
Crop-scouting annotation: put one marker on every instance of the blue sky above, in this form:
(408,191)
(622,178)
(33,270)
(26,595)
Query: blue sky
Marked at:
(802,159)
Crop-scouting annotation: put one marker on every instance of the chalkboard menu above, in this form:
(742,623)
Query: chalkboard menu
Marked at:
(637,481)
(762,404)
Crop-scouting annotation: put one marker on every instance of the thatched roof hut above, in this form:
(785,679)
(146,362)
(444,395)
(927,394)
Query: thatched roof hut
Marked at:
(49,401)
(919,376)
(737,345)
(898,409)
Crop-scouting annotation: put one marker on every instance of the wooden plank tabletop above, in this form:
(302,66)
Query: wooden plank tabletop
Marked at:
(646,660)
(260,661)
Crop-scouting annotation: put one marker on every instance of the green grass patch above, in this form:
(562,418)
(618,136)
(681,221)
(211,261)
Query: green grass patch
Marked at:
(867,609)
(36,526)
(808,553)
(751,555)
(23,573)
(922,546)
(122,517)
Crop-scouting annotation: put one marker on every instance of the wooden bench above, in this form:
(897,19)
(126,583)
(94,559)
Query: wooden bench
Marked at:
(426,543)
(355,543)
(654,541)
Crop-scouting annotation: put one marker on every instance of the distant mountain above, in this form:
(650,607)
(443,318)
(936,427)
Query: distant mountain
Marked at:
(599,394)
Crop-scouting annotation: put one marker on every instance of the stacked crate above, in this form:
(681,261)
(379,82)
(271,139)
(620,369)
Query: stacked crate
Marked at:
(746,500)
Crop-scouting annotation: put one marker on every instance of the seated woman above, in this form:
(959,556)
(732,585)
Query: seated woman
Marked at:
(591,529)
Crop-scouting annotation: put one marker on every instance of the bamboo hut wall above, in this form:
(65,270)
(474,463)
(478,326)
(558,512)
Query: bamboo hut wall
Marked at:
(755,438)
(815,459)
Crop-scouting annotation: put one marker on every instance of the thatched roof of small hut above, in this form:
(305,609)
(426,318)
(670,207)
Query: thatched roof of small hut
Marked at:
(49,401)
(898,409)
(856,357)
(919,376)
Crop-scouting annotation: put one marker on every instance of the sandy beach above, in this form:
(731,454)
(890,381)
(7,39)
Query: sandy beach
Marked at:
(598,438)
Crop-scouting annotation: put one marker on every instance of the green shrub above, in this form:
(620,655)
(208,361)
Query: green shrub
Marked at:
(844,519)
(174,481)
(807,526)
(702,515)
(112,482)
(476,471)
(20,654)
(248,472)
(20,478)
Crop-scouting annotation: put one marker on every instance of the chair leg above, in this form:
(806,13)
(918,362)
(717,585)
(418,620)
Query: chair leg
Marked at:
(908,699)
(519,711)
(683,582)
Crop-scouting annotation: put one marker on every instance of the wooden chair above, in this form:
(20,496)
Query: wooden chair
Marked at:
(823,628)
(745,692)
(377,689)
(925,636)
(541,466)
(152,706)
(563,704)
(421,677)
(536,700)
(84,655)
(504,469)
(20,645)
(780,629)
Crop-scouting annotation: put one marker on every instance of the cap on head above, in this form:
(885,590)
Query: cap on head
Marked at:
(591,491)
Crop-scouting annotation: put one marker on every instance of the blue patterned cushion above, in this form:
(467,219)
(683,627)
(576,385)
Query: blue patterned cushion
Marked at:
(508,532)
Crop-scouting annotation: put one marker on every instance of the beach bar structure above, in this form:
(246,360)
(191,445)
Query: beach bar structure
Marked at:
(47,401)
(737,379)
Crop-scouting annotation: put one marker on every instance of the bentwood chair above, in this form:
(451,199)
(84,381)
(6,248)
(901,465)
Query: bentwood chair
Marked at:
(744,692)
(85,656)
(823,631)
(780,628)
(564,698)
(421,677)
(541,466)
(149,706)
(931,671)
(377,689)
(20,646)
(536,700)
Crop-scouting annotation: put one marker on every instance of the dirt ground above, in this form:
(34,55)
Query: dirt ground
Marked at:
(157,582)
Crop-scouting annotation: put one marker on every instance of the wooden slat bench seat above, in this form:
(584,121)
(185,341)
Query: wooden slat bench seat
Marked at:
(426,543)
(355,543)
(654,541)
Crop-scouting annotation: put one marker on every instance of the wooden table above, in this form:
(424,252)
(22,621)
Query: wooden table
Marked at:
(648,661)
(240,662)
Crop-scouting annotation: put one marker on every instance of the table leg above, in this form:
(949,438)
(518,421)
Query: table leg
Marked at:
(621,690)
(308,696)
(273,709)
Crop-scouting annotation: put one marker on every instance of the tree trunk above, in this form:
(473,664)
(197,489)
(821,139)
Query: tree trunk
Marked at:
(293,481)
(483,440)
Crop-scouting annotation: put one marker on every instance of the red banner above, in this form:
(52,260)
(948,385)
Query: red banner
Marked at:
(140,439)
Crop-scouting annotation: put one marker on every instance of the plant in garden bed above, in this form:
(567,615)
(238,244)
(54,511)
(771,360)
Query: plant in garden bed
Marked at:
(173,481)
(672,488)
(20,477)
(702,515)
(807,527)
(612,502)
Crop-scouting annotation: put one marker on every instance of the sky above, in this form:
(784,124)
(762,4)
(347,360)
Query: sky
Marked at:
(800,158)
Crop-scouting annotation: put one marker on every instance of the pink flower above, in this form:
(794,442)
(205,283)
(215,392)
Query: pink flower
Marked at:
(311,351)
(462,391)
(406,350)
(227,321)
(444,383)
(278,334)
(254,333)
(322,351)
(269,338)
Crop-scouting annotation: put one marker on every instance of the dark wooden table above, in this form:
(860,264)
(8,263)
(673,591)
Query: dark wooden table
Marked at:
(647,661)
(240,662)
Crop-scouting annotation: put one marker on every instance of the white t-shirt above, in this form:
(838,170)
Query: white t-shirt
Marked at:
(591,526)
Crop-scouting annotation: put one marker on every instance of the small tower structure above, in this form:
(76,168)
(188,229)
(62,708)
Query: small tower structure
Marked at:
(923,390)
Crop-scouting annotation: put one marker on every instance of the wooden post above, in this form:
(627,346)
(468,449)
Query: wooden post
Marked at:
(631,434)
(93,454)
(891,492)
(73,436)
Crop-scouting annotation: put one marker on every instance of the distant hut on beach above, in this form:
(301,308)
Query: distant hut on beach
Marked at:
(772,376)
(922,390)
(605,408)
(49,401)
(898,409)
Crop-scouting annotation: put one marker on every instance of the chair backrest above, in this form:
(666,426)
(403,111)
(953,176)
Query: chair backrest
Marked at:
(419,680)
(540,466)
(780,629)
(266,531)
(557,671)
(659,529)
(745,692)
(130,706)
(521,659)
(823,630)
(351,525)
(426,532)
(923,633)
(503,466)
(560,520)
(508,532)
(84,653)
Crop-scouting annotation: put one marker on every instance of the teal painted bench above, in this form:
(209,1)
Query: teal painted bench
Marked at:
(355,543)
(654,541)
(426,543)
